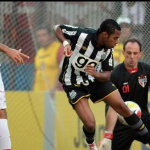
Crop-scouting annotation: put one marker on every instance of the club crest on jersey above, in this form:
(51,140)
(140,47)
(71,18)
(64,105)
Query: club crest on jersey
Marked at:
(72,94)
(142,80)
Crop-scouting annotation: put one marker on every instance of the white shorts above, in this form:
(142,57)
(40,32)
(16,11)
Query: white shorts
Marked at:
(2,94)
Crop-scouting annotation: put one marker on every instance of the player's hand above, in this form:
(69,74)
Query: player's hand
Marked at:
(105,144)
(67,51)
(90,70)
(16,55)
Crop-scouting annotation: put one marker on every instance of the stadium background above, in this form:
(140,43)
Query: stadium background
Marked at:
(37,121)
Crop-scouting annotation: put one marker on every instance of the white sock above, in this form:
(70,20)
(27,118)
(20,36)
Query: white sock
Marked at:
(5,142)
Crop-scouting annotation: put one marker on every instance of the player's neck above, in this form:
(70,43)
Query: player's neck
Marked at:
(131,68)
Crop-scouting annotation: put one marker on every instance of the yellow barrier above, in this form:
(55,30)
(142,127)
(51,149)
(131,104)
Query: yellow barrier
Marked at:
(24,129)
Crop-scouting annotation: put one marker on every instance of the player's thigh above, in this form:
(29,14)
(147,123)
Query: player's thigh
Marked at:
(84,112)
(3,106)
(116,102)
(3,114)
(78,98)
(101,90)
(123,139)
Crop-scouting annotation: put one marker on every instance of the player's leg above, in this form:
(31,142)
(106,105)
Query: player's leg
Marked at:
(5,142)
(85,114)
(123,136)
(146,121)
(115,101)
(78,98)
(109,94)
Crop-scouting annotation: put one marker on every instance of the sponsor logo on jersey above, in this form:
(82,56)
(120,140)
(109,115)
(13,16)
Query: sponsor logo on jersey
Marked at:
(69,32)
(125,83)
(142,80)
(80,61)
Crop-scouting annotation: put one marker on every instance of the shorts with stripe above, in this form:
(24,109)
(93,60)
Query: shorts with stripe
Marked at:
(96,91)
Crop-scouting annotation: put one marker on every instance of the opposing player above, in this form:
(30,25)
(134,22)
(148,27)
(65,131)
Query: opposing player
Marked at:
(132,78)
(82,79)
(17,57)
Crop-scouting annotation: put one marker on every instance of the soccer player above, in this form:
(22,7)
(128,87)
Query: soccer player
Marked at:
(132,78)
(17,57)
(86,74)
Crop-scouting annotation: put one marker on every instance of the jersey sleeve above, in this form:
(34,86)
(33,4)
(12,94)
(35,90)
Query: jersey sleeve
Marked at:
(113,78)
(70,32)
(107,64)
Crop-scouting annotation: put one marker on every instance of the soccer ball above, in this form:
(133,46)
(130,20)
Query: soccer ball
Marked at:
(134,107)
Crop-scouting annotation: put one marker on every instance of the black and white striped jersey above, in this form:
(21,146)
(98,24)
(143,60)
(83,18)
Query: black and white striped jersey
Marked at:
(83,42)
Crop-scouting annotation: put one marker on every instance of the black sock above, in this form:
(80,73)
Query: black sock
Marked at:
(89,136)
(137,124)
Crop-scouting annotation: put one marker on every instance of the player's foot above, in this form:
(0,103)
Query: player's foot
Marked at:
(92,146)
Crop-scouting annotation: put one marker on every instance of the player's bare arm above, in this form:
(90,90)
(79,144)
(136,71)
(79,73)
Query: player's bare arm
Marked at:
(14,54)
(100,76)
(59,34)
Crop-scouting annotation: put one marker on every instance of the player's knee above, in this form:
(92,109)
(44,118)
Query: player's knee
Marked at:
(3,114)
(123,110)
(90,126)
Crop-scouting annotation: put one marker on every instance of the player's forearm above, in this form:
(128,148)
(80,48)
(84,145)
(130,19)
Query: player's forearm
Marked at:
(103,76)
(4,48)
(111,119)
(59,34)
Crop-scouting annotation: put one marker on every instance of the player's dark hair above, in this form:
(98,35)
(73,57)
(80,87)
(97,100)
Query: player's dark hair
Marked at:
(109,26)
(133,40)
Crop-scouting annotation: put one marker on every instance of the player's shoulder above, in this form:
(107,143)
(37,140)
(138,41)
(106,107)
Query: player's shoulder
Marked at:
(144,65)
(118,67)
(90,30)
(117,70)
(80,29)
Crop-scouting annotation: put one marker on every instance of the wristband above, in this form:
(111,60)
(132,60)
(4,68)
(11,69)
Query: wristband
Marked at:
(108,135)
(65,43)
